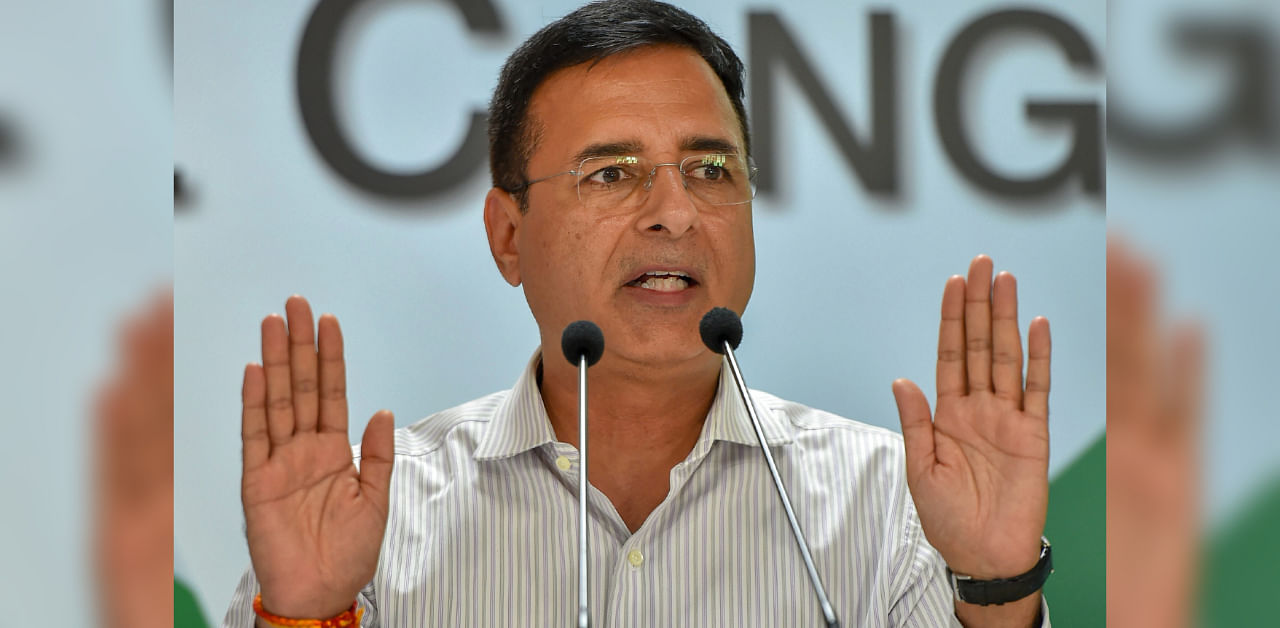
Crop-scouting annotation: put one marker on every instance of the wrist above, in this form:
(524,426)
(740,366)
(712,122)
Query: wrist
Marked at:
(1008,564)
(998,591)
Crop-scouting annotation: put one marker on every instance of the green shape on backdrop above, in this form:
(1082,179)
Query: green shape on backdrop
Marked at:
(186,611)
(1243,565)
(1076,526)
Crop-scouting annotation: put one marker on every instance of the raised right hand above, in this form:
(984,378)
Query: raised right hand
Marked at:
(314,523)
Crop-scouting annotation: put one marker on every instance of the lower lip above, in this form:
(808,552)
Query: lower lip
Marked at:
(654,297)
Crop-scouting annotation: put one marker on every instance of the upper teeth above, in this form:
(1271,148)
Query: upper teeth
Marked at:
(664,281)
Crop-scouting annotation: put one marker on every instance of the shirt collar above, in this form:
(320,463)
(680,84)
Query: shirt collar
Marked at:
(728,420)
(521,423)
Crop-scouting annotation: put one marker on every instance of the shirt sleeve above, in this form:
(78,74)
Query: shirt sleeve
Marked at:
(927,601)
(240,613)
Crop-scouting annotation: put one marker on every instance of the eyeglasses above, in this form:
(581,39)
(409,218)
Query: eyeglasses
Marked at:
(622,182)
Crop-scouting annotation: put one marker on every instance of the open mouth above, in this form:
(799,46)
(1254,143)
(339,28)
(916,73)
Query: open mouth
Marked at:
(664,281)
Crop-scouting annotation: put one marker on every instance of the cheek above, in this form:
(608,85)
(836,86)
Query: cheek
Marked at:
(552,262)
(737,255)
(745,275)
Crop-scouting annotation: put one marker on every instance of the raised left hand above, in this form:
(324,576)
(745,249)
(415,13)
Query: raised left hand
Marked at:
(978,470)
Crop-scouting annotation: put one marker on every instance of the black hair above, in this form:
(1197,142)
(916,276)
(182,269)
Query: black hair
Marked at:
(591,33)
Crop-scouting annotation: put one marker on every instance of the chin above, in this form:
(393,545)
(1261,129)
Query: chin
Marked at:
(659,347)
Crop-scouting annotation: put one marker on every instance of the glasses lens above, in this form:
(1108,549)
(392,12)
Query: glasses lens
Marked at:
(719,179)
(607,182)
(615,183)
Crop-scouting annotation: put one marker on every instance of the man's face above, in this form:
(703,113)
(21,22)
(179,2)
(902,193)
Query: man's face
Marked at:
(577,262)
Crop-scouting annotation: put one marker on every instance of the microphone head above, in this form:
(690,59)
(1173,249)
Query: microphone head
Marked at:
(719,326)
(582,338)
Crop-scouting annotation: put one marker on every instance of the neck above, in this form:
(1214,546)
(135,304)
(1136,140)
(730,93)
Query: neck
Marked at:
(642,421)
(638,414)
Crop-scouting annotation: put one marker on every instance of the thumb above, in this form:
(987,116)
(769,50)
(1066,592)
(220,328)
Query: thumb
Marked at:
(377,450)
(917,425)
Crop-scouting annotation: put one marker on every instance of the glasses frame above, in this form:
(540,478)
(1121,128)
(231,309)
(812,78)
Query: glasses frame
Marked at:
(752,172)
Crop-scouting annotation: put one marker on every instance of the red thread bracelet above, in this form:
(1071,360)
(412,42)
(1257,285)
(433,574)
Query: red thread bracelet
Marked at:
(349,617)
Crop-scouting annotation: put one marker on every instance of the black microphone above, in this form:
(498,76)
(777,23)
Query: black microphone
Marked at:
(583,344)
(721,331)
(582,339)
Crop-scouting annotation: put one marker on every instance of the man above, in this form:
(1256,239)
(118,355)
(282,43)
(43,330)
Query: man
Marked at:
(620,159)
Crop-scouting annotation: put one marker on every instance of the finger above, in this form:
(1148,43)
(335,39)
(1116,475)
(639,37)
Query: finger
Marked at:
(1133,359)
(302,364)
(977,324)
(917,426)
(275,362)
(1185,388)
(951,377)
(253,418)
(1036,400)
(1006,364)
(110,416)
(377,451)
(333,376)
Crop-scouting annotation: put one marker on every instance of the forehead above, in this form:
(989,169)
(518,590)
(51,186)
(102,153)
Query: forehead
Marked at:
(655,96)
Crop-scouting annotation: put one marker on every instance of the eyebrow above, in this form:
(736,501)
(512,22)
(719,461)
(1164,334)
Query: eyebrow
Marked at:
(609,149)
(701,143)
(709,144)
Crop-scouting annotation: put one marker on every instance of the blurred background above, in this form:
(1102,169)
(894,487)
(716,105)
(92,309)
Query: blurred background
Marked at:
(1193,477)
(333,149)
(86,239)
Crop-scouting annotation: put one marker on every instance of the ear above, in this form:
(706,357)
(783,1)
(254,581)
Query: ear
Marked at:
(502,218)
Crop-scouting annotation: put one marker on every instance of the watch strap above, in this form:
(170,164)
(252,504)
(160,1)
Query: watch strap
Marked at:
(1003,590)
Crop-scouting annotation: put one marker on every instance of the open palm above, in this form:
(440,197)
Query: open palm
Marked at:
(314,522)
(978,469)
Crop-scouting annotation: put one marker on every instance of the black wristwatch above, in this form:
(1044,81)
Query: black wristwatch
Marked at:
(1003,590)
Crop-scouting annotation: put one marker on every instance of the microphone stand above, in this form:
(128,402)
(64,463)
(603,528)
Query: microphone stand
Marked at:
(584,615)
(583,344)
(828,612)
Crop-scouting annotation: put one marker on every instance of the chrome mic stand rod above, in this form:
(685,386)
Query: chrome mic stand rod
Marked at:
(584,614)
(583,344)
(721,331)
(828,613)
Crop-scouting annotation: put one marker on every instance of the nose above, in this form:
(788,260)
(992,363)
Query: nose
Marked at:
(668,208)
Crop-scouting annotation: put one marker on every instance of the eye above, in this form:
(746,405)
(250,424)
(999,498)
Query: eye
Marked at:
(708,173)
(711,168)
(610,175)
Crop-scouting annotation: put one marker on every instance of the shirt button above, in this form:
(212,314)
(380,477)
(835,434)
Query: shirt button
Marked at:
(635,558)
(563,463)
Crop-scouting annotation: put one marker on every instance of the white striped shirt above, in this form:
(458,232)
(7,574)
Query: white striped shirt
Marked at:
(482,529)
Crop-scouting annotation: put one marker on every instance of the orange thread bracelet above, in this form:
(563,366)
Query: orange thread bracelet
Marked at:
(349,617)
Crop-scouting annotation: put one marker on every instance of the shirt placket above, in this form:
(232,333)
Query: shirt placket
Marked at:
(608,537)
(634,598)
